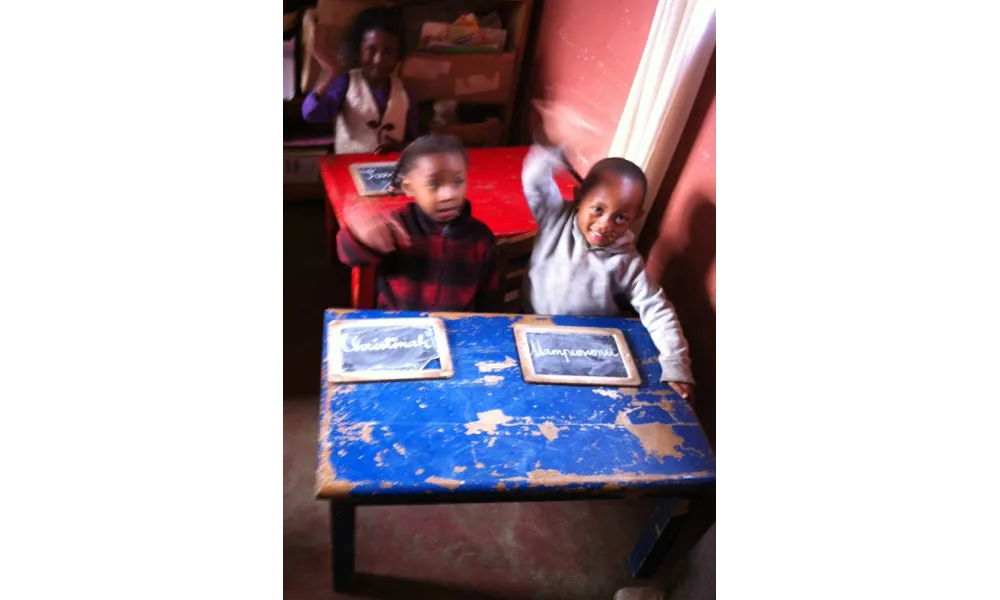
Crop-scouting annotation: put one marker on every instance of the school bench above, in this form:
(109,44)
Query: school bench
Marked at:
(485,435)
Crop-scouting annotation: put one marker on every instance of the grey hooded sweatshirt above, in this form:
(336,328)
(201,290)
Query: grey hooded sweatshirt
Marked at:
(568,276)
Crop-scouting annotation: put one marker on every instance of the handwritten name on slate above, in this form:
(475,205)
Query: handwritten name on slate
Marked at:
(586,355)
(373,178)
(386,349)
(575,355)
(394,348)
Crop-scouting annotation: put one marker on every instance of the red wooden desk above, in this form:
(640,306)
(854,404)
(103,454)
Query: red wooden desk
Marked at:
(494,191)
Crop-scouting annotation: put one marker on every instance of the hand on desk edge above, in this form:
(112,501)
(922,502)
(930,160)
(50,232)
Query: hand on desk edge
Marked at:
(684,389)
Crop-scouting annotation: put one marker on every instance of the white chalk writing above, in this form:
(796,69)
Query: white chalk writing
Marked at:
(371,174)
(349,344)
(538,350)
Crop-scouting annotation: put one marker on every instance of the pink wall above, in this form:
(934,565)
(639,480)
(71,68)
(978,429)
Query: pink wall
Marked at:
(681,249)
(586,56)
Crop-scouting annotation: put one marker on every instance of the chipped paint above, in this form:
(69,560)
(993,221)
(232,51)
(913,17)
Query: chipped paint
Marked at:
(420,471)
(608,393)
(489,380)
(535,320)
(657,439)
(355,432)
(422,405)
(451,484)
(400,449)
(327,484)
(550,431)
(336,390)
(480,465)
(379,457)
(493,366)
(492,441)
(488,422)
(460,469)
(554,478)
(385,484)
(338,488)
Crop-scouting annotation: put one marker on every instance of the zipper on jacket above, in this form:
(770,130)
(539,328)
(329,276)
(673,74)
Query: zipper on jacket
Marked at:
(444,264)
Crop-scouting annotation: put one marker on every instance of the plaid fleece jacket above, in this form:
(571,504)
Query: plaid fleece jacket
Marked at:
(449,267)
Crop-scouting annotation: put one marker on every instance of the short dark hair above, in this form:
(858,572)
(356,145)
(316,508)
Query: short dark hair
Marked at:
(387,18)
(434,143)
(620,167)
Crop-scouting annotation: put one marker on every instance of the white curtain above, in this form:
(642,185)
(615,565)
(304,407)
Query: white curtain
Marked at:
(680,44)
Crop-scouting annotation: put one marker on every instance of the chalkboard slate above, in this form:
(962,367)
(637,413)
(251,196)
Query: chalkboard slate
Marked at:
(387,349)
(373,179)
(576,355)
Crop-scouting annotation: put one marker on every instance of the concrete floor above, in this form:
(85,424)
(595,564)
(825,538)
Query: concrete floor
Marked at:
(575,550)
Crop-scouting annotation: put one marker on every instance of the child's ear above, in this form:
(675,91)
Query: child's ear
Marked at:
(407,186)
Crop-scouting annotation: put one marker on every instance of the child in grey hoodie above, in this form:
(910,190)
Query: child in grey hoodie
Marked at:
(585,256)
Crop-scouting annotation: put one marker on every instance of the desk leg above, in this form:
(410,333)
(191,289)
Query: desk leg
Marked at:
(342,540)
(331,235)
(363,288)
(668,536)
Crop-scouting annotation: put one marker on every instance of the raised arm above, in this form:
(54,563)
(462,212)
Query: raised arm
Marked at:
(370,235)
(660,319)
(324,103)
(540,186)
(353,252)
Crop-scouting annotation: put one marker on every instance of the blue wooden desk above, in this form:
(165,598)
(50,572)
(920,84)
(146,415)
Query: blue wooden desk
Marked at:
(487,436)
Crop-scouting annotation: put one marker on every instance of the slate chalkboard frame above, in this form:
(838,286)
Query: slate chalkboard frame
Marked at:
(335,373)
(359,181)
(521,330)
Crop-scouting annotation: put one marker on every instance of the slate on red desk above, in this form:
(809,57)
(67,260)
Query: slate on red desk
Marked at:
(487,433)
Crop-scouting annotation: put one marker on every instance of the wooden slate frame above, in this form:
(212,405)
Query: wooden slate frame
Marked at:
(333,353)
(359,183)
(521,330)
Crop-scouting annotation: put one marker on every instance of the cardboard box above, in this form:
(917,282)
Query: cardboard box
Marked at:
(445,37)
(468,78)
(301,173)
(340,13)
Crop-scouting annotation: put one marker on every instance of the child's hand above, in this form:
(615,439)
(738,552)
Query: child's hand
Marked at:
(377,230)
(388,146)
(328,62)
(684,389)
(562,125)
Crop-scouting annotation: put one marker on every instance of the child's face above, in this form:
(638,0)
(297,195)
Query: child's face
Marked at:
(379,54)
(437,183)
(608,209)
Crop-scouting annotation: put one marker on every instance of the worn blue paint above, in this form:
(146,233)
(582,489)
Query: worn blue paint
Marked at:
(389,438)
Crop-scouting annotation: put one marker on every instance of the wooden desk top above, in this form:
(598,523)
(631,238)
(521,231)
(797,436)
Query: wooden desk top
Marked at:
(486,434)
(494,187)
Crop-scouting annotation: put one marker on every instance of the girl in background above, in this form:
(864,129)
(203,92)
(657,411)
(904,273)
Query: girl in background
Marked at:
(368,105)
